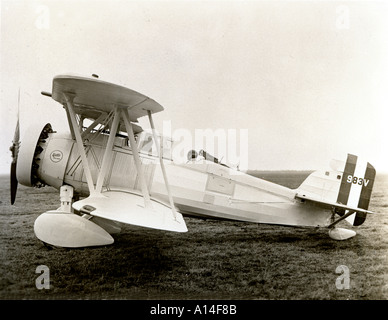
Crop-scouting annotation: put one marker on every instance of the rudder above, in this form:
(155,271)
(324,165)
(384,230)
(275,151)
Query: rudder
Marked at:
(356,186)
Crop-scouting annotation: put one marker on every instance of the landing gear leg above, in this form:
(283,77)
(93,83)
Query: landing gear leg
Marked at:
(66,195)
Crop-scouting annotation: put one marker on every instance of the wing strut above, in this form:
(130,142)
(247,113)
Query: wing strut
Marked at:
(101,118)
(75,130)
(161,163)
(132,142)
(106,160)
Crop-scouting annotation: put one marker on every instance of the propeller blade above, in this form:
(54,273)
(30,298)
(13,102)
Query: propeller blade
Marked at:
(15,151)
(14,182)
(16,136)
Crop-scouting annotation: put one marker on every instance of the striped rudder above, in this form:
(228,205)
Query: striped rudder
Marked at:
(356,186)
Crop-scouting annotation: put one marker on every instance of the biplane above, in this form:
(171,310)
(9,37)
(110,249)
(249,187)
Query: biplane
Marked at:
(111,172)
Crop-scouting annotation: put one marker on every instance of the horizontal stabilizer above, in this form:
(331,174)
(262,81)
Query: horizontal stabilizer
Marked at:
(129,208)
(330,205)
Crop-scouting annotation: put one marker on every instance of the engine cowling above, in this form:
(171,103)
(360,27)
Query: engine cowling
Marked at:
(32,148)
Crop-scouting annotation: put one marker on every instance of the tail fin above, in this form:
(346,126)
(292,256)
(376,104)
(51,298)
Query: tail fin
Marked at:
(349,185)
(356,186)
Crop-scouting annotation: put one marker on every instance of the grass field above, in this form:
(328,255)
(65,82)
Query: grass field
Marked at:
(214,260)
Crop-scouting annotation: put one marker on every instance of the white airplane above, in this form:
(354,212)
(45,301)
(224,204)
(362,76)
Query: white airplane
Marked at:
(112,172)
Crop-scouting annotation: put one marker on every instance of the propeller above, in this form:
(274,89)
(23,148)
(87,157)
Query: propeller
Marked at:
(15,151)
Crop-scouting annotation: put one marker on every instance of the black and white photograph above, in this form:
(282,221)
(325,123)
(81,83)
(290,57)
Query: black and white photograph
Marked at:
(201,152)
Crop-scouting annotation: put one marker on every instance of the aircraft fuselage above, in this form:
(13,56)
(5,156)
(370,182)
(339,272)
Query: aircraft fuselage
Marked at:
(199,187)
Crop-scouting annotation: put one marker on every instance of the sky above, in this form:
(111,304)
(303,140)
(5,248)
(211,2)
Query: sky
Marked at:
(303,82)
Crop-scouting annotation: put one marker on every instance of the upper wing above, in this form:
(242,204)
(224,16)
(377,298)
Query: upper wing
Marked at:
(93,97)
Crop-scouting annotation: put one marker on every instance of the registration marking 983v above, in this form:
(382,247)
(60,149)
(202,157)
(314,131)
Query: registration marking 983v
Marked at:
(356,180)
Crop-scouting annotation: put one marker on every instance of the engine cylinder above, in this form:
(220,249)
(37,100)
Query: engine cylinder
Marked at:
(31,148)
